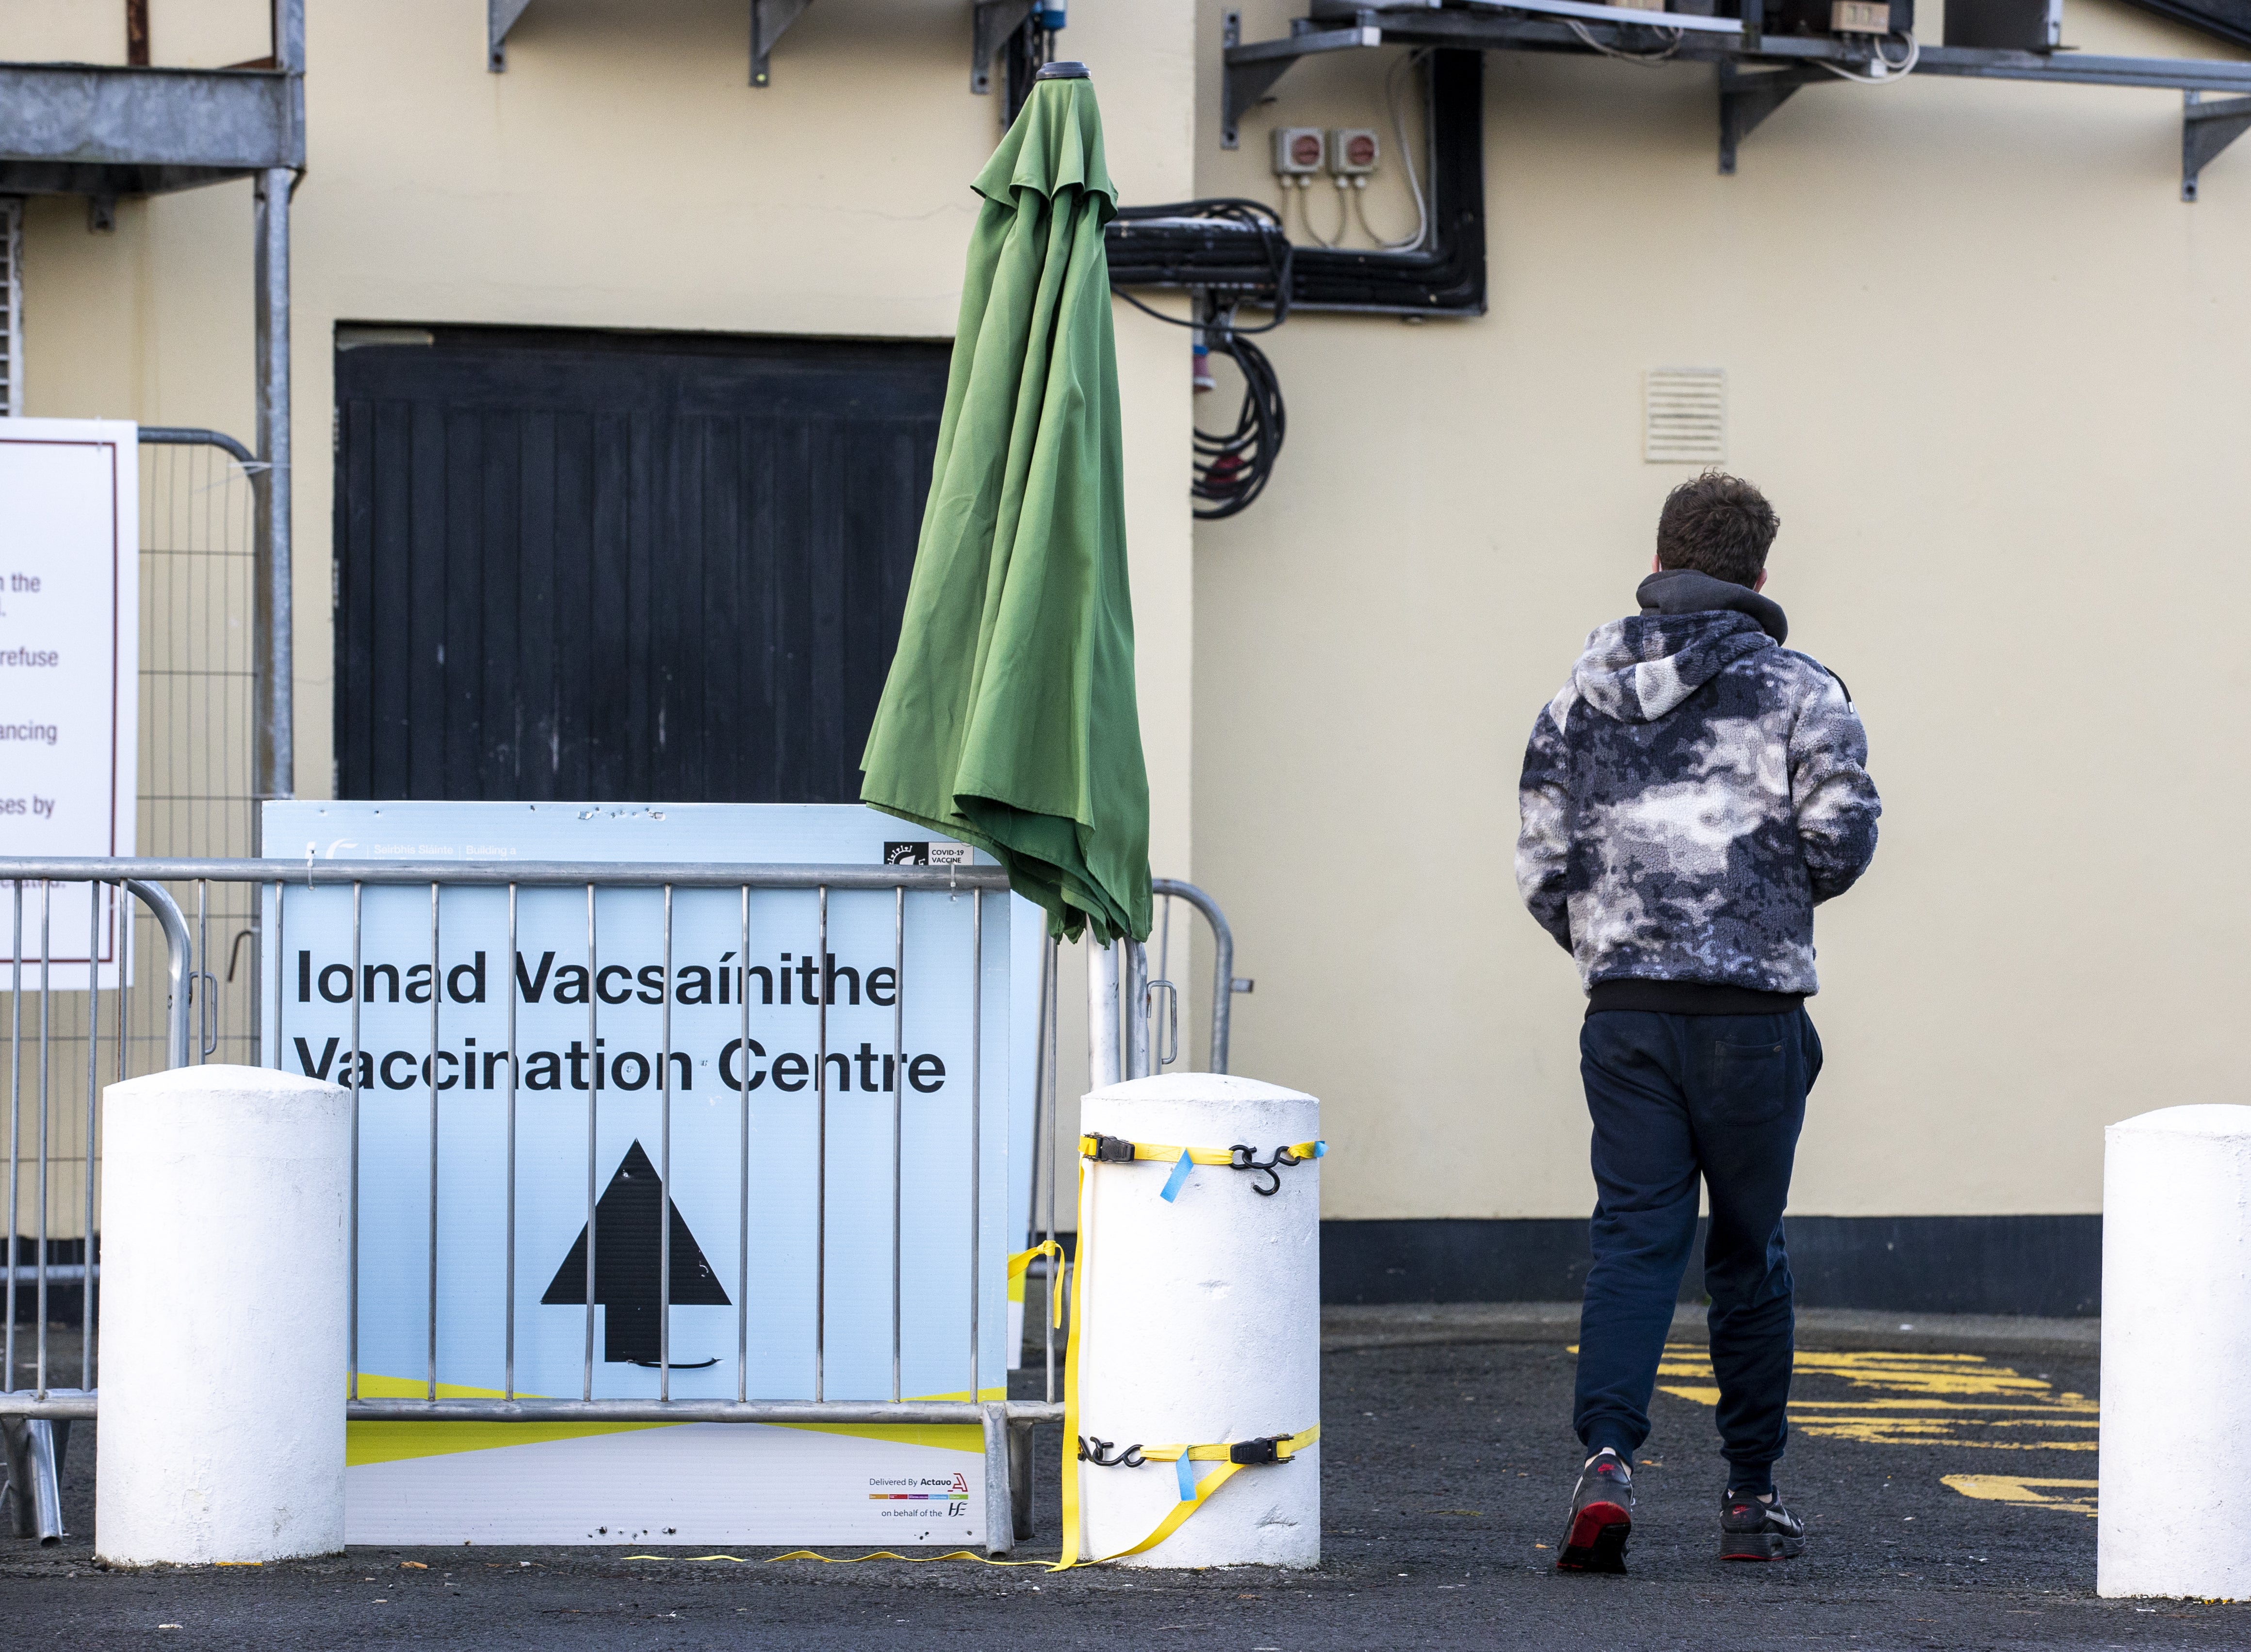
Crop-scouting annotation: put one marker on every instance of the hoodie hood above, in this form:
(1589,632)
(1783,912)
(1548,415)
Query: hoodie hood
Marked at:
(1686,591)
(1638,668)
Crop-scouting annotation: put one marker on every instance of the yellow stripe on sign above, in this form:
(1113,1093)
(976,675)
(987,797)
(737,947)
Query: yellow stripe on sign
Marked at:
(374,1442)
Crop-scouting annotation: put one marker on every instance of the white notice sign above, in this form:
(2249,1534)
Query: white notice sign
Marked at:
(70,617)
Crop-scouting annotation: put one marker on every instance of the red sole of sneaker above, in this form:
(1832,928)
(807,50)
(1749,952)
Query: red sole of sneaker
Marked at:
(1778,1551)
(1596,1540)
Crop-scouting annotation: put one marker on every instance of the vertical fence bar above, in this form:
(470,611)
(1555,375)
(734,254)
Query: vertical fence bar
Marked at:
(664,1173)
(594,1092)
(820,1161)
(281,970)
(199,976)
(93,1091)
(743,1183)
(1045,1085)
(510,1357)
(436,993)
(14,1116)
(976,1123)
(898,1112)
(123,911)
(351,1271)
(46,1002)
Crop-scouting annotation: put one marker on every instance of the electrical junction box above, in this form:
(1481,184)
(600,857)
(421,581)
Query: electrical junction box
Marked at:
(2006,25)
(1298,150)
(1859,17)
(1353,151)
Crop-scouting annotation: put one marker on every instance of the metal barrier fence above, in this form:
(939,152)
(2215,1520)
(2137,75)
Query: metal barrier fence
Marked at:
(278,889)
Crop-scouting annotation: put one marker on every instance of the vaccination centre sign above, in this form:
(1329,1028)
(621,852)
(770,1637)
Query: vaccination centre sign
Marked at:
(605,1036)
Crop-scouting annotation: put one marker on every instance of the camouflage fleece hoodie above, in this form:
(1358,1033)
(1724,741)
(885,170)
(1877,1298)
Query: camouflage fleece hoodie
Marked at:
(1694,791)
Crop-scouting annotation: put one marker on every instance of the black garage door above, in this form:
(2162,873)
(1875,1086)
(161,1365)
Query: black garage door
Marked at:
(620,568)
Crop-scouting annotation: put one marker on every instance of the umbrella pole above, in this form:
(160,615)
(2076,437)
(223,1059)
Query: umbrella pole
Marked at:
(1103,1067)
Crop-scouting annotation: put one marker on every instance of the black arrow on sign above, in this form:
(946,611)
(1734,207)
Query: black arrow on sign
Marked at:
(626,1271)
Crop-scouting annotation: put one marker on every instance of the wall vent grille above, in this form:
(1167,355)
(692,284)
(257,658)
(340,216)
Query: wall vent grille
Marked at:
(1683,416)
(11,306)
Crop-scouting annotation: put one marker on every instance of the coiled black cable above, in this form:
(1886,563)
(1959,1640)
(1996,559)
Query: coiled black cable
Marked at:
(1232,468)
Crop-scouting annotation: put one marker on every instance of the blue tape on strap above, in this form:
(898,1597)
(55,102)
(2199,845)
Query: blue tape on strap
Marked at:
(1320,1150)
(1173,1183)
(1188,1479)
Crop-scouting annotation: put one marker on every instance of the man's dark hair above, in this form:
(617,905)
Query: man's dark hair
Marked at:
(1717,525)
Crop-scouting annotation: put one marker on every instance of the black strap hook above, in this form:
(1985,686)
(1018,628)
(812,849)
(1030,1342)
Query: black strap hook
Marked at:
(1100,1454)
(1246,1158)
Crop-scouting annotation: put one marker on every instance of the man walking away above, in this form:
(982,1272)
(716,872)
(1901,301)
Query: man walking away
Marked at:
(1694,791)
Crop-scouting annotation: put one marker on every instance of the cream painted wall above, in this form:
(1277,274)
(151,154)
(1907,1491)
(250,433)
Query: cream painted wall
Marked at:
(1984,361)
(620,174)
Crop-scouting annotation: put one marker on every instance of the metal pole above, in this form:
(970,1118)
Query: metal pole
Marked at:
(743,1183)
(1102,1053)
(15,1122)
(898,1114)
(274,762)
(976,1131)
(593,1101)
(359,1094)
(437,991)
(509,1355)
(46,1003)
(1051,958)
(821,1162)
(664,1174)
(92,1096)
(1135,991)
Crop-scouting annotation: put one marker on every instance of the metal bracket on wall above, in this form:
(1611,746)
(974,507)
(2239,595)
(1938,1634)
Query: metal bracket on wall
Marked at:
(1786,61)
(992,22)
(1746,100)
(769,20)
(500,16)
(2207,128)
(1251,71)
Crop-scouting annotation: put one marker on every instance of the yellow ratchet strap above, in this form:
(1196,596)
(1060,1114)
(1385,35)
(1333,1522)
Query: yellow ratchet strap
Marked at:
(1111,1149)
(1020,1263)
(1234,1458)
(1116,1149)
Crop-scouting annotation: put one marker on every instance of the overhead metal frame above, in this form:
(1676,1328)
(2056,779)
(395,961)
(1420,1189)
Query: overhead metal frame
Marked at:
(111,133)
(1758,71)
(992,25)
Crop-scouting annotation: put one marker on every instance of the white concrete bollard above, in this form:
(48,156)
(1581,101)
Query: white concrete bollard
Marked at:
(1202,1322)
(2176,1338)
(225,1196)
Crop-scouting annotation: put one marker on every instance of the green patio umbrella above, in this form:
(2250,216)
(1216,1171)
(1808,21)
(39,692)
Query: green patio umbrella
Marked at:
(1008,720)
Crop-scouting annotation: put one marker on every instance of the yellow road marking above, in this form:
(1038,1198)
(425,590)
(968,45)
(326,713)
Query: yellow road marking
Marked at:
(2016,1489)
(1913,1400)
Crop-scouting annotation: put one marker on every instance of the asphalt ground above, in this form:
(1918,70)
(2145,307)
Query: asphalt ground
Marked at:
(1946,1472)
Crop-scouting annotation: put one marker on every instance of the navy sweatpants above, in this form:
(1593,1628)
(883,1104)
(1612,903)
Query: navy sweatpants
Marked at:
(1673,1098)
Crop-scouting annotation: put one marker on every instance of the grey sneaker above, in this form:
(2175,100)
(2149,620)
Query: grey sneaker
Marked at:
(1751,1529)
(1602,1516)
